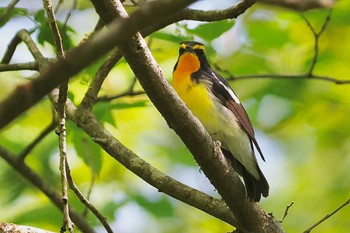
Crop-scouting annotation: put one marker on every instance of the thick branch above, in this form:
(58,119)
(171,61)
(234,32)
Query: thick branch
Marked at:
(9,227)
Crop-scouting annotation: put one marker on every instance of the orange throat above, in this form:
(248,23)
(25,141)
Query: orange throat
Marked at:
(186,65)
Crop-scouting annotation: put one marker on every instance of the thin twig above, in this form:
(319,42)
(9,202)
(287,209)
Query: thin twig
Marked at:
(231,77)
(61,127)
(86,201)
(347,202)
(24,35)
(317,36)
(286,211)
(74,5)
(19,66)
(126,93)
(129,92)
(96,83)
(58,6)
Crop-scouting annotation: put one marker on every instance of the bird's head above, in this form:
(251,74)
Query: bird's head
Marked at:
(191,57)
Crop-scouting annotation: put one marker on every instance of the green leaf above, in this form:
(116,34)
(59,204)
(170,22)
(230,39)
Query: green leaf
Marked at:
(103,110)
(40,16)
(88,150)
(45,33)
(259,29)
(13,13)
(211,31)
(159,208)
(168,37)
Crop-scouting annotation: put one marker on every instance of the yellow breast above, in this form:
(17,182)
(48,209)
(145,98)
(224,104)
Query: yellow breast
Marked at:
(195,95)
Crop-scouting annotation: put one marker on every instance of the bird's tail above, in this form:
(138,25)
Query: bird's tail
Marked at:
(255,188)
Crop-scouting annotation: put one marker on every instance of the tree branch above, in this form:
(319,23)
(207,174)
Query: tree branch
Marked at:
(95,86)
(28,174)
(347,202)
(300,5)
(24,35)
(36,141)
(19,66)
(61,126)
(231,77)
(13,228)
(85,201)
(317,36)
(88,122)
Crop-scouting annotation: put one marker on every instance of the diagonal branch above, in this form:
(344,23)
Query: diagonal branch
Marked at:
(95,86)
(62,70)
(85,201)
(28,174)
(24,35)
(300,5)
(37,140)
(347,202)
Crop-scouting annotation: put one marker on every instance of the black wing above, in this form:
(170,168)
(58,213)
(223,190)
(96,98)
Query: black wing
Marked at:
(223,91)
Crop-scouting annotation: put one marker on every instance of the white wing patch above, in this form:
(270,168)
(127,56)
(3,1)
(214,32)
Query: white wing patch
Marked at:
(232,94)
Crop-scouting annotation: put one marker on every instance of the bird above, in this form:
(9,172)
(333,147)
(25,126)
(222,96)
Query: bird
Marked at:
(211,99)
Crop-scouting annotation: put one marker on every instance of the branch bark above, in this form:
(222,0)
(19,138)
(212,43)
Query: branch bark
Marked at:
(300,5)
(9,227)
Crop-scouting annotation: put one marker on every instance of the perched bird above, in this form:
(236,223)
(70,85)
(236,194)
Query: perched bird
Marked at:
(213,102)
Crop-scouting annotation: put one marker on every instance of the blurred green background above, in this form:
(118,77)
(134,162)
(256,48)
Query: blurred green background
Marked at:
(302,125)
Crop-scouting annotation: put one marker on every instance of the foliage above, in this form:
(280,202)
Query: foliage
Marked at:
(302,125)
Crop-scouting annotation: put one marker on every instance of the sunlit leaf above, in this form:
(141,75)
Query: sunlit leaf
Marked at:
(211,31)
(168,36)
(103,110)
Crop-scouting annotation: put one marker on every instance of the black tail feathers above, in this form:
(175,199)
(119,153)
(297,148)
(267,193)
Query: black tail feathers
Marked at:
(255,188)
